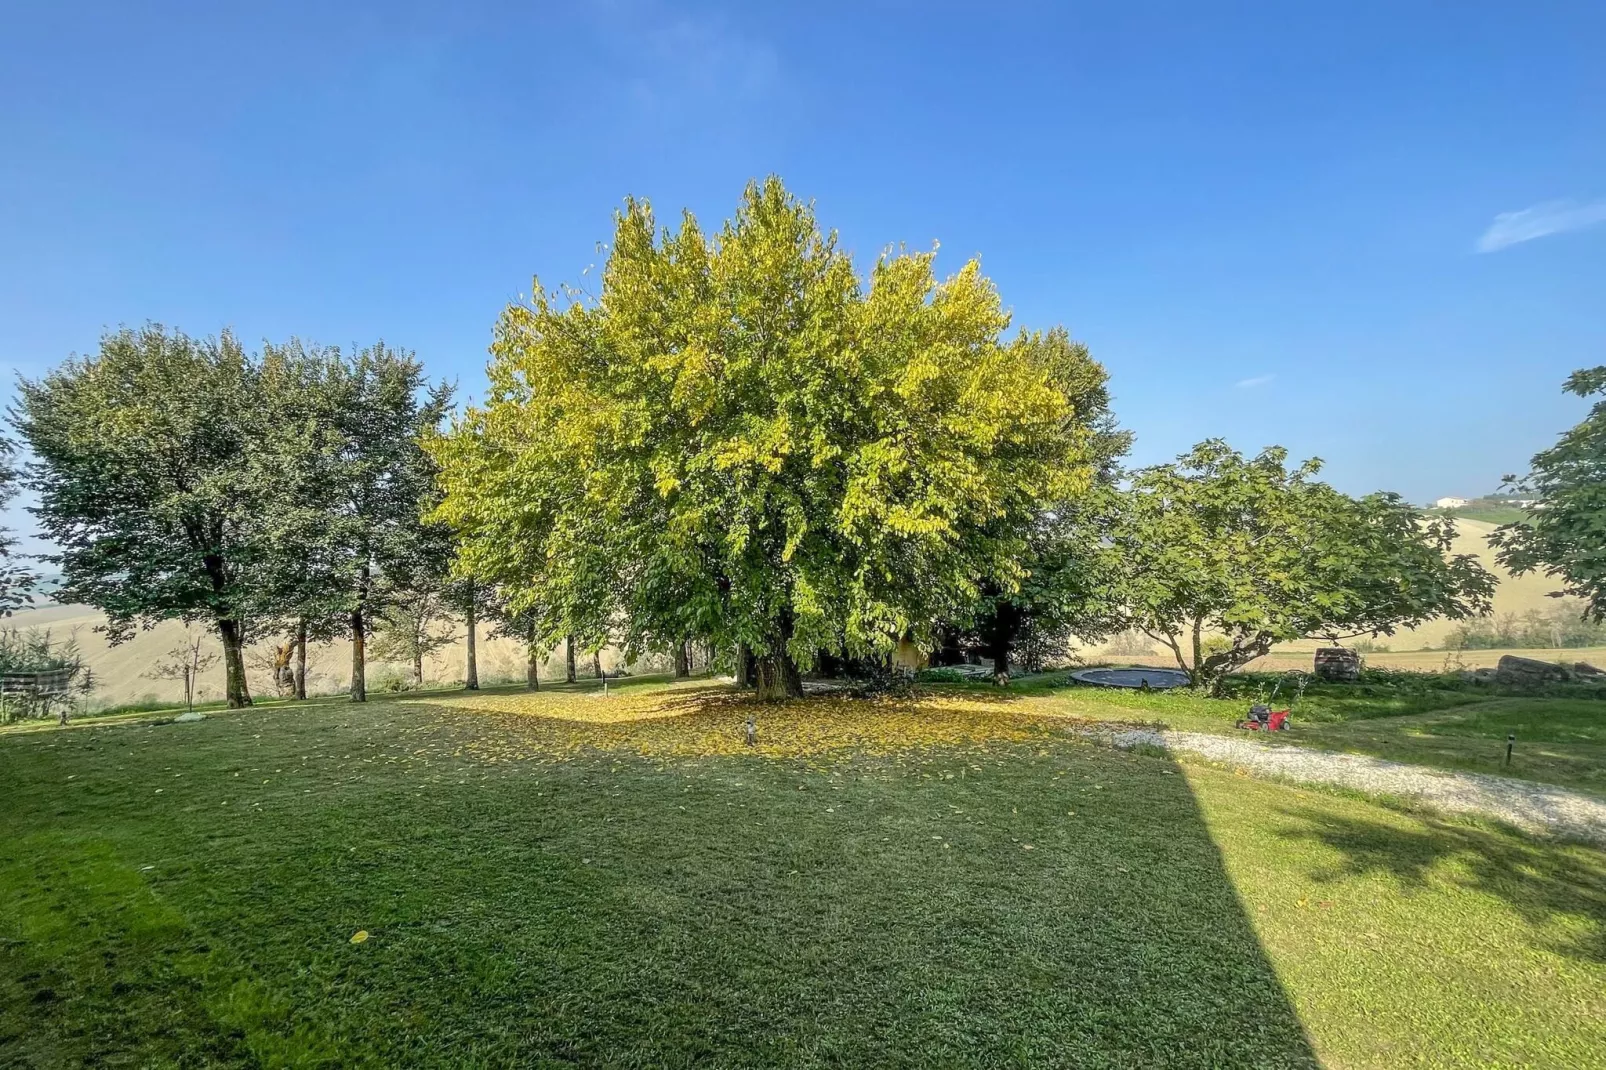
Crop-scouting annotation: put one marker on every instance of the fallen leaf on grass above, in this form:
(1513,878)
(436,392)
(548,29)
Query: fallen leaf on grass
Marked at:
(359,936)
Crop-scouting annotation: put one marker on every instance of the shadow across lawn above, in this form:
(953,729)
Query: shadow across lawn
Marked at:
(1542,883)
(1032,904)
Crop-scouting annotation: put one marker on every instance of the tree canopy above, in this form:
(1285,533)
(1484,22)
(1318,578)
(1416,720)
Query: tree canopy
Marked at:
(352,484)
(737,439)
(1062,591)
(187,478)
(1565,533)
(1255,553)
(144,479)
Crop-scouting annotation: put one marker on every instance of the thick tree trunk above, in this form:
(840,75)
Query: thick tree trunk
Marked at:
(532,662)
(744,666)
(359,666)
(682,660)
(778,677)
(596,664)
(359,650)
(231,634)
(418,670)
(1006,625)
(301,658)
(568,648)
(1001,665)
(471,674)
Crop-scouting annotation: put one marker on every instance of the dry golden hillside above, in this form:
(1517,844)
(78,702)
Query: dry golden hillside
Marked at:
(120,671)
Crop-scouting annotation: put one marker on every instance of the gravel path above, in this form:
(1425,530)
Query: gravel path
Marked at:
(1537,807)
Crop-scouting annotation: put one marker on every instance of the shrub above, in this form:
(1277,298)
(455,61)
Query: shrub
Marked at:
(390,681)
(37,652)
(1560,627)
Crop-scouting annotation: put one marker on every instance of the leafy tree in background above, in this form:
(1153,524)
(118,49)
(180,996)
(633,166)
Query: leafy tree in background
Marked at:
(414,625)
(298,460)
(144,479)
(1068,590)
(16,581)
(523,626)
(185,663)
(352,483)
(1564,536)
(1250,553)
(737,441)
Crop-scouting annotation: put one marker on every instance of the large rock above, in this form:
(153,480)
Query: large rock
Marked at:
(1530,671)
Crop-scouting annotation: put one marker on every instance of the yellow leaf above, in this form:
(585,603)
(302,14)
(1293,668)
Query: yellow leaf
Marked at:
(359,936)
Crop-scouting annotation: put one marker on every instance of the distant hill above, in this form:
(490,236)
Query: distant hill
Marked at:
(1491,509)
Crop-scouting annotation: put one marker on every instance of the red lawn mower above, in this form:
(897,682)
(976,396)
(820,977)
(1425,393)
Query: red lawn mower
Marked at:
(1262,718)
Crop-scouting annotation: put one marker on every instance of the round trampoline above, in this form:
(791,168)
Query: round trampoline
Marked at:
(1155,679)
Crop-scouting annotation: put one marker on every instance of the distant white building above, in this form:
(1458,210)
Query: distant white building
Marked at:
(1449,503)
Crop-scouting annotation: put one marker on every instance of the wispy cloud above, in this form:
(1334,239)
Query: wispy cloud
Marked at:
(681,62)
(1551,217)
(1250,384)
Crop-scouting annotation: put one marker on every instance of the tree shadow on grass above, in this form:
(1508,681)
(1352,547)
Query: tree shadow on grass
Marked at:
(1542,882)
(1030,903)
(948,914)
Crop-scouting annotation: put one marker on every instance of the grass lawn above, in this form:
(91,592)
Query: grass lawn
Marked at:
(1425,721)
(563,879)
(1558,741)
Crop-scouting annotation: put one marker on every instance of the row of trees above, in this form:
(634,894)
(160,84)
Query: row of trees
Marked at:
(280,493)
(267,492)
(738,443)
(737,440)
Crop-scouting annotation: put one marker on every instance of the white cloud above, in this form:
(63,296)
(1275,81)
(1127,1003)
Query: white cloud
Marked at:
(1250,384)
(1551,217)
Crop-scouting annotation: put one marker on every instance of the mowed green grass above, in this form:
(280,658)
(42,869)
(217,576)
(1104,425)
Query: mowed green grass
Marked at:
(1559,740)
(923,883)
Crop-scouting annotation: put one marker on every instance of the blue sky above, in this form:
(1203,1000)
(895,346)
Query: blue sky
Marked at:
(1374,232)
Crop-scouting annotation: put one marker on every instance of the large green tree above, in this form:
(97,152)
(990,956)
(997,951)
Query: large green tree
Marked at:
(1249,551)
(351,483)
(144,476)
(1565,533)
(737,439)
